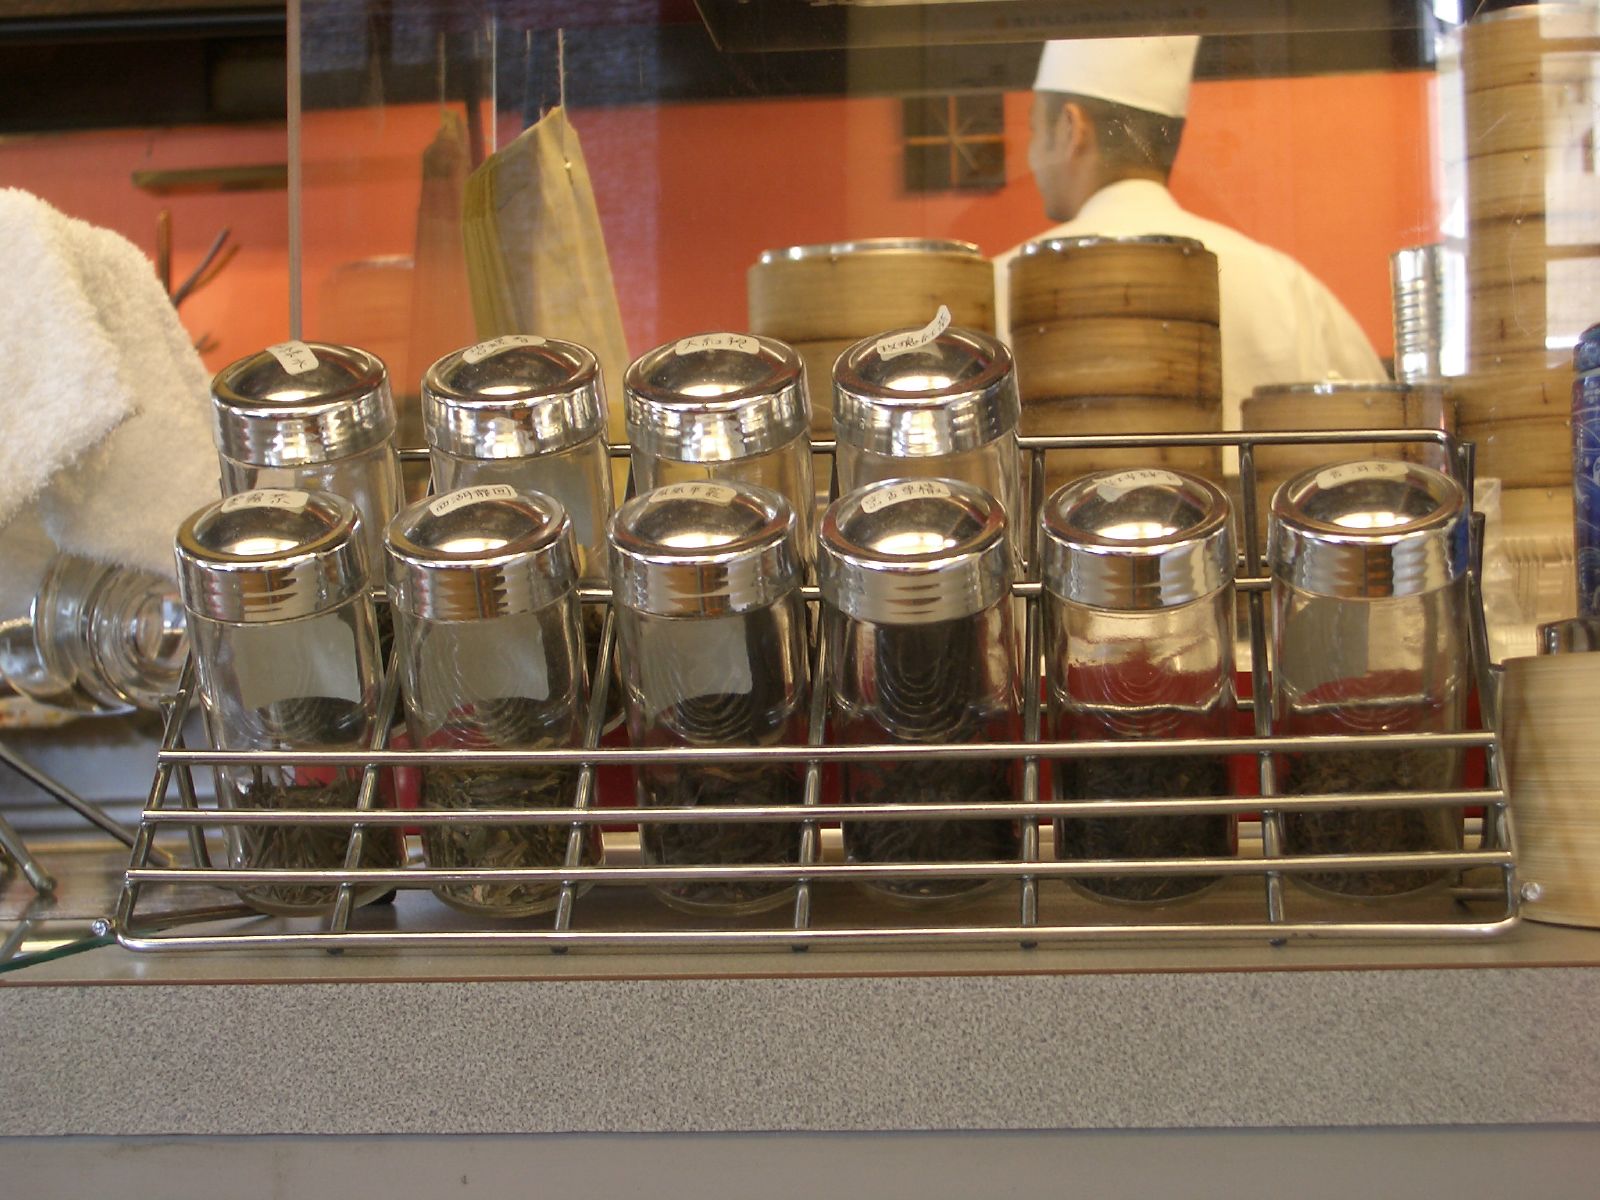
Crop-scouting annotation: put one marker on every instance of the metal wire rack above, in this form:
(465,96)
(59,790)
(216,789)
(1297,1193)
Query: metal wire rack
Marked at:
(609,906)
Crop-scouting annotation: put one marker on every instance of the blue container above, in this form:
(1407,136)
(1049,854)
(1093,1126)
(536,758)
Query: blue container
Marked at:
(1586,469)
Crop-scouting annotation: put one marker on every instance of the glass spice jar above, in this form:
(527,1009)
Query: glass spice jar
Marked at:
(1138,608)
(934,403)
(1369,602)
(724,407)
(483,583)
(916,580)
(313,417)
(529,412)
(276,586)
(712,636)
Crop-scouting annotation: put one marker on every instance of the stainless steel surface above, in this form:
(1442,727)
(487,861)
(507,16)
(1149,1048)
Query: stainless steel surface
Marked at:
(1136,540)
(1252,904)
(480,552)
(718,397)
(914,551)
(887,245)
(513,397)
(271,555)
(1416,278)
(266,415)
(1063,244)
(1577,635)
(1370,529)
(704,549)
(947,394)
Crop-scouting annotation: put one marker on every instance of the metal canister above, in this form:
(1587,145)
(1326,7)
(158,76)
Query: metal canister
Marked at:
(315,417)
(724,408)
(1586,469)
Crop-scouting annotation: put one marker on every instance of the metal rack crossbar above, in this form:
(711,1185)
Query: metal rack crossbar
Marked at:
(1482,902)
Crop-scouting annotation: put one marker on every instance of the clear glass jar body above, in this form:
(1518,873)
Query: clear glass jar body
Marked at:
(116,633)
(510,682)
(732,680)
(1345,665)
(1131,675)
(580,478)
(370,480)
(786,470)
(942,681)
(995,467)
(309,683)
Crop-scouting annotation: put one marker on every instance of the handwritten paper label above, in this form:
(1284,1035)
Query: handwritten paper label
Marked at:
(710,493)
(500,345)
(1115,487)
(280,498)
(1350,472)
(741,343)
(904,343)
(294,357)
(920,489)
(462,497)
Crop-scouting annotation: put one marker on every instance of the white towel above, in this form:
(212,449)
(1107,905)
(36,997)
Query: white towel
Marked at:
(104,421)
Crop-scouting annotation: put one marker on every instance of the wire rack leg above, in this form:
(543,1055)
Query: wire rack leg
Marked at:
(38,878)
(62,794)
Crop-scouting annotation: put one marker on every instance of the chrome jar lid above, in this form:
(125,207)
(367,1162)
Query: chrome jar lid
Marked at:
(914,551)
(704,550)
(486,551)
(886,245)
(271,555)
(1137,539)
(716,397)
(1065,245)
(1338,387)
(301,402)
(921,394)
(513,397)
(1368,530)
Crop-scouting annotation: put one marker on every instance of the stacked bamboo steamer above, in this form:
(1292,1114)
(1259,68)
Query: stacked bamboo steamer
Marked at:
(1118,336)
(1340,404)
(1533,244)
(820,299)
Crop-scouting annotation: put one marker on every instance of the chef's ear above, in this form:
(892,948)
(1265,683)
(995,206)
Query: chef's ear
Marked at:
(1074,129)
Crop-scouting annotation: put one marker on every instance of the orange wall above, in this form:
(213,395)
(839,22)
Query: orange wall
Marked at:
(1335,171)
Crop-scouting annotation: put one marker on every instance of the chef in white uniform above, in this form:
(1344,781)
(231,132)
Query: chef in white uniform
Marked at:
(1107,117)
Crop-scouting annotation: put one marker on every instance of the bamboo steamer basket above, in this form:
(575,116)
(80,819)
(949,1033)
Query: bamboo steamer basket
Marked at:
(823,298)
(1340,404)
(1547,707)
(1516,185)
(1119,356)
(1156,278)
(845,291)
(1118,415)
(1527,44)
(1528,116)
(1519,419)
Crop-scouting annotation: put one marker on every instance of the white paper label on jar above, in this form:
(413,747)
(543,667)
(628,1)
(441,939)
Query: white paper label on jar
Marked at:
(1114,487)
(740,343)
(279,498)
(912,489)
(300,660)
(709,493)
(1349,472)
(462,497)
(916,339)
(296,358)
(500,345)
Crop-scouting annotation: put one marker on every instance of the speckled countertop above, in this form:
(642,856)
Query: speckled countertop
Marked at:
(1104,1036)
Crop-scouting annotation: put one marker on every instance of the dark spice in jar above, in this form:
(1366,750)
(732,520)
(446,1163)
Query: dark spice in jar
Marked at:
(1150,778)
(1374,830)
(491,846)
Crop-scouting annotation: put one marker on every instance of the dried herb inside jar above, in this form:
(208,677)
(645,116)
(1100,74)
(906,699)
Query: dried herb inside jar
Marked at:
(1153,777)
(1370,830)
(469,847)
(935,841)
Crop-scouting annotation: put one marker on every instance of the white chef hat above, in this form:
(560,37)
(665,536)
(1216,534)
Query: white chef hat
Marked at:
(1151,73)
